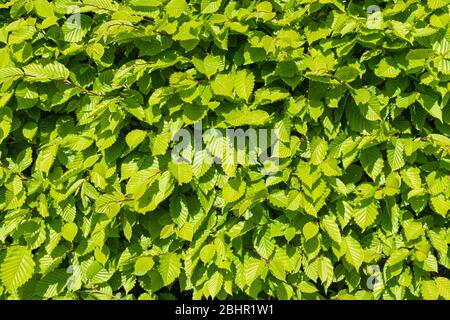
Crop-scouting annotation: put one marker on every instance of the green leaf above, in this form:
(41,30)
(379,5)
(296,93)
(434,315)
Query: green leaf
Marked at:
(346,73)
(10,73)
(365,214)
(209,66)
(52,284)
(207,253)
(233,190)
(354,253)
(6,118)
(167,231)
(135,137)
(411,176)
(137,185)
(202,163)
(387,68)
(223,85)
(263,243)
(176,7)
(310,230)
(186,232)
(217,149)
(395,155)
(280,264)
(239,117)
(110,204)
(46,157)
(397,256)
(440,204)
(372,162)
(429,290)
(17,267)
(393,183)
(330,168)
(419,54)
(318,150)
(75,30)
(143,265)
(46,72)
(431,104)
(332,228)
(412,229)
(214,284)
(169,267)
(443,286)
(244,81)
(326,271)
(181,171)
(69,231)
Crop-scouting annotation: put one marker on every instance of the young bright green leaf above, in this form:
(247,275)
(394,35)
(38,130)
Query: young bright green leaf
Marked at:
(17,267)
(310,230)
(135,137)
(69,231)
(169,267)
(143,265)
(244,82)
(181,171)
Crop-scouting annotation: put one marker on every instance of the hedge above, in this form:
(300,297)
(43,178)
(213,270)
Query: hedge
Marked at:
(120,177)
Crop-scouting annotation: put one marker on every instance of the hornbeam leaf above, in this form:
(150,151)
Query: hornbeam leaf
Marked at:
(430,102)
(387,68)
(143,265)
(233,190)
(365,214)
(214,284)
(17,267)
(346,73)
(10,73)
(46,157)
(418,54)
(169,267)
(395,155)
(263,243)
(208,66)
(429,290)
(69,231)
(332,228)
(135,137)
(76,28)
(397,257)
(372,161)
(411,176)
(443,285)
(354,253)
(223,85)
(176,7)
(310,230)
(6,119)
(181,171)
(319,149)
(244,82)
(38,72)
(110,204)
(202,163)
(207,253)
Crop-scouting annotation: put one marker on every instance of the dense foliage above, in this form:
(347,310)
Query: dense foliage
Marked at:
(94,205)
